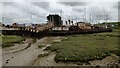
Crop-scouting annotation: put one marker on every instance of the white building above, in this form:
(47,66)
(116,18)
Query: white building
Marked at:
(60,28)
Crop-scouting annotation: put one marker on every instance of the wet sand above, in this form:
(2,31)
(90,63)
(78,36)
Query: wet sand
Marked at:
(49,61)
(22,58)
(107,61)
(28,56)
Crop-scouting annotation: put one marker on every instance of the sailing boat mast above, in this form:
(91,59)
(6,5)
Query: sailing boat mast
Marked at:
(85,14)
(104,14)
(3,18)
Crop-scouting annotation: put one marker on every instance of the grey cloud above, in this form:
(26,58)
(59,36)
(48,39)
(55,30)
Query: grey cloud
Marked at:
(25,11)
(33,9)
(77,9)
(39,10)
(74,3)
(7,3)
(43,5)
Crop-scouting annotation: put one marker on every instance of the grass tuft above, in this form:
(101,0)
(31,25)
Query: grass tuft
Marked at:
(83,48)
(10,40)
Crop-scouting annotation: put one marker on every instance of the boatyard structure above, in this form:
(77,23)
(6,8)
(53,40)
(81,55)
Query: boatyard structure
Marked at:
(54,26)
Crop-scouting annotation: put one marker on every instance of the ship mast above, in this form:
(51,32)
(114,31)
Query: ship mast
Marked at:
(84,14)
(3,18)
(90,18)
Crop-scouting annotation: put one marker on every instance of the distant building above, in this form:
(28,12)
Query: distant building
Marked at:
(0,24)
(18,25)
(21,25)
(60,28)
(56,19)
(44,27)
(83,25)
(69,22)
(15,25)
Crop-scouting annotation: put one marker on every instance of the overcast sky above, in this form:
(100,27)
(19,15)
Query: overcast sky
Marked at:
(28,11)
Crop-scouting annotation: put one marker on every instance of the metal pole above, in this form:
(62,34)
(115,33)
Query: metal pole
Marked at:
(2,19)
